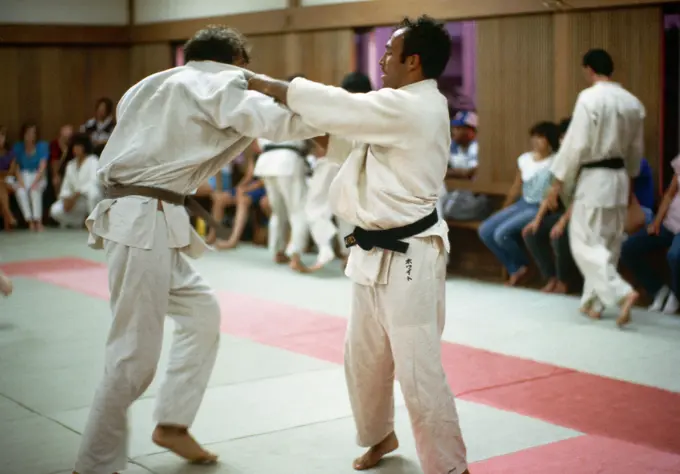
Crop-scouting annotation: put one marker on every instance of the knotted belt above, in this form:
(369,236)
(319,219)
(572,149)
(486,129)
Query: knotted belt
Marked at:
(390,239)
(171,197)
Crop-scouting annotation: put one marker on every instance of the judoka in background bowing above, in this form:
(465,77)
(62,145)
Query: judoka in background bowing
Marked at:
(605,141)
(175,129)
(391,180)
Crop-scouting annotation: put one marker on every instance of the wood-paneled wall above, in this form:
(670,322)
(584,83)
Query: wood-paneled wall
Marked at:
(57,85)
(149,58)
(529,69)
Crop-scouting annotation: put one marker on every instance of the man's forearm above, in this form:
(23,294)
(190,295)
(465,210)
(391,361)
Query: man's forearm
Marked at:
(278,90)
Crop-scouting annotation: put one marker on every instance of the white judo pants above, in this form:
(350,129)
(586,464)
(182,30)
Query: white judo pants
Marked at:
(595,236)
(146,285)
(395,330)
(30,200)
(287,199)
(77,215)
(319,212)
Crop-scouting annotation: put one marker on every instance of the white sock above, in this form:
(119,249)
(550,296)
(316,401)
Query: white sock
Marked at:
(660,299)
(672,305)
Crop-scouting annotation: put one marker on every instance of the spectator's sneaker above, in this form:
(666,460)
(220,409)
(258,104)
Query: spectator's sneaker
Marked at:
(672,305)
(660,299)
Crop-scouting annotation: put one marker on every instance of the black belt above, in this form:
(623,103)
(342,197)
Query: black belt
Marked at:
(609,163)
(390,239)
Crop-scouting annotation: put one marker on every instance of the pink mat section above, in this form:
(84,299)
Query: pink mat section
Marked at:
(583,454)
(587,403)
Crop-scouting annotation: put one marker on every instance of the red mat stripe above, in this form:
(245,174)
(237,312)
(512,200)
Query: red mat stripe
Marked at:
(584,402)
(583,454)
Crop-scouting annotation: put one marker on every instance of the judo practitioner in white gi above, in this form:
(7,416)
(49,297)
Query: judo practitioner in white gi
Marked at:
(175,129)
(605,141)
(318,209)
(388,188)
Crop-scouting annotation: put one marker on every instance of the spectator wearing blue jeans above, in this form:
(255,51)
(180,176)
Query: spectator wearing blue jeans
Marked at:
(502,232)
(662,233)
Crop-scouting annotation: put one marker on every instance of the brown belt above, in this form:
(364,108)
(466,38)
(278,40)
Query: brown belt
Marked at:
(189,202)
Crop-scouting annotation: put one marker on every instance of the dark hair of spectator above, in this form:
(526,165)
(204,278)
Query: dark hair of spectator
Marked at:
(26,127)
(429,40)
(82,139)
(108,103)
(217,43)
(357,82)
(549,131)
(295,76)
(564,125)
(599,61)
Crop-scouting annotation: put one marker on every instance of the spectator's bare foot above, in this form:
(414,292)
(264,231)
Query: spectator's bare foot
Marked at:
(39,227)
(5,285)
(626,307)
(211,237)
(178,440)
(281,257)
(31,226)
(518,276)
(373,456)
(226,244)
(560,288)
(550,286)
(590,312)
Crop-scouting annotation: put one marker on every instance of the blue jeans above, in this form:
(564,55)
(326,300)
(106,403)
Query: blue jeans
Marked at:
(502,234)
(637,246)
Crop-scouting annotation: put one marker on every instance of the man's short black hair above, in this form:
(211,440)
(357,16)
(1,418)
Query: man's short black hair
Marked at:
(549,131)
(356,82)
(564,125)
(599,61)
(428,39)
(217,43)
(295,76)
(82,139)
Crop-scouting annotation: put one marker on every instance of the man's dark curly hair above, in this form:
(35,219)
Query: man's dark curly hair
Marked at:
(357,82)
(428,39)
(217,43)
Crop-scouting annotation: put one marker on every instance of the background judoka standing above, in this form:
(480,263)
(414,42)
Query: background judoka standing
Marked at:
(389,185)
(175,130)
(318,209)
(605,141)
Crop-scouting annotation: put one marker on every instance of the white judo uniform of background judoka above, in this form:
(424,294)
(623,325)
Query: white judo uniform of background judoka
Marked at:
(175,130)
(283,173)
(318,208)
(78,179)
(608,122)
(398,307)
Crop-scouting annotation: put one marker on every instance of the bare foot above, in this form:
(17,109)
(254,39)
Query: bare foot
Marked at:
(560,288)
(39,227)
(5,285)
(225,244)
(179,441)
(626,307)
(516,277)
(590,312)
(211,237)
(373,456)
(297,265)
(31,226)
(550,286)
(281,257)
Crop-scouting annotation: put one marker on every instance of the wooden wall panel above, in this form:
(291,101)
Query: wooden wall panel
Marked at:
(637,59)
(58,85)
(514,90)
(147,59)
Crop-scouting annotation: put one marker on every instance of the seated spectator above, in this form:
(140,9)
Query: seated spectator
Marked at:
(502,232)
(60,155)
(8,172)
(31,155)
(100,127)
(662,233)
(247,193)
(221,188)
(547,236)
(80,190)
(463,163)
